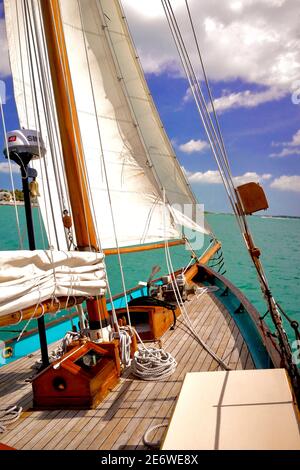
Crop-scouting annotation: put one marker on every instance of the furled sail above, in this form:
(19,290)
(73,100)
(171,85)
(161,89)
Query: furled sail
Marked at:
(132,170)
(30,277)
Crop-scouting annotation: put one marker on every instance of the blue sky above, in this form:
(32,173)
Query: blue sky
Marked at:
(252,52)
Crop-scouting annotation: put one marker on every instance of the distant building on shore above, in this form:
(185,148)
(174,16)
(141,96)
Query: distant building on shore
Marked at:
(5,196)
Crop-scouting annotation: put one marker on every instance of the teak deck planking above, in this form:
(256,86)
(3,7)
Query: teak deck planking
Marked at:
(133,406)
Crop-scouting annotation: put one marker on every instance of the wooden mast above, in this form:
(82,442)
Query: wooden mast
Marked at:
(72,148)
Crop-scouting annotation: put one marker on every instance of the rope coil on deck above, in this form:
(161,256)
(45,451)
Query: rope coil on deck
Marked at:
(9,415)
(153,364)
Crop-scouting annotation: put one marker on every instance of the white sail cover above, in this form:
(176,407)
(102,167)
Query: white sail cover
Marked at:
(27,278)
(131,166)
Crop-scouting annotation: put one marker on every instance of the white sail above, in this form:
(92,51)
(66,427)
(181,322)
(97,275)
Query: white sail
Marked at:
(129,160)
(26,70)
(30,277)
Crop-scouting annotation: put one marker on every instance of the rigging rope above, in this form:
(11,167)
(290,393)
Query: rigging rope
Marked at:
(218,148)
(181,306)
(50,115)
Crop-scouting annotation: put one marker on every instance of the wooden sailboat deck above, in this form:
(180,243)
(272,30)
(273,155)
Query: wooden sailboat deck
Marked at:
(121,420)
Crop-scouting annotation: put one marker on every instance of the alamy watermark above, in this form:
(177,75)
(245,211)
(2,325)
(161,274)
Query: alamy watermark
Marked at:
(296,92)
(2,92)
(190,217)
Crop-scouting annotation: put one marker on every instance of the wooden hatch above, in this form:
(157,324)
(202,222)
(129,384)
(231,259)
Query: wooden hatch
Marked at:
(79,379)
(240,410)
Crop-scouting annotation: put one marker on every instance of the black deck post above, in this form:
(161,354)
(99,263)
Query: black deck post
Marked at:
(31,241)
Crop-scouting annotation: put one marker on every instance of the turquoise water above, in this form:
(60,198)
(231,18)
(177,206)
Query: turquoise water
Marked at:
(278,240)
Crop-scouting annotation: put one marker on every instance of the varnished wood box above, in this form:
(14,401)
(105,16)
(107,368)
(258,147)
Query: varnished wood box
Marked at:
(79,379)
(151,322)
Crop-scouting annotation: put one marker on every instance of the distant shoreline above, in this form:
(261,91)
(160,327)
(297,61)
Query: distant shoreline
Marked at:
(21,203)
(18,203)
(11,203)
(262,216)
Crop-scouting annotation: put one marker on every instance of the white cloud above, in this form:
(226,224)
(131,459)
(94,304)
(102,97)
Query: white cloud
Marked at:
(188,96)
(4,167)
(287,183)
(285,152)
(210,176)
(256,41)
(193,146)
(213,177)
(296,139)
(246,99)
(251,176)
(289,148)
(4,62)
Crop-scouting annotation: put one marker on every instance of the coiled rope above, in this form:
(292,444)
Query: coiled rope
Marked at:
(9,415)
(153,364)
(147,363)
